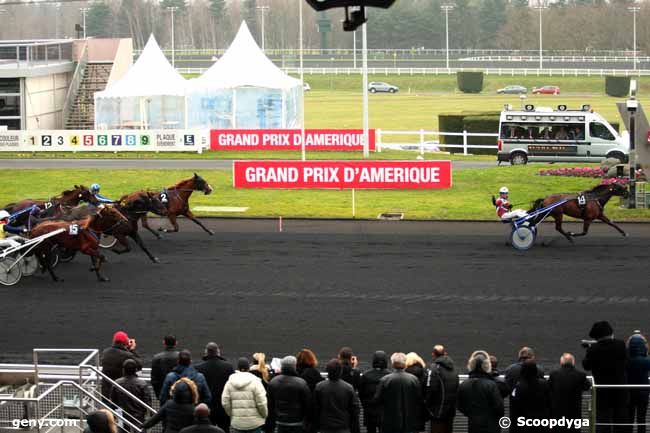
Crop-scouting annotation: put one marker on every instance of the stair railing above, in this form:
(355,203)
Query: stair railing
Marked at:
(77,78)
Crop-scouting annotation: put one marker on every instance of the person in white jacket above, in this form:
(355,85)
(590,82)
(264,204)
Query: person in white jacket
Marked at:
(244,400)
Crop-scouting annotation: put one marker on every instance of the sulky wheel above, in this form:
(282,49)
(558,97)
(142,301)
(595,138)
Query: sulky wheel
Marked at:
(523,238)
(107,241)
(29,265)
(10,272)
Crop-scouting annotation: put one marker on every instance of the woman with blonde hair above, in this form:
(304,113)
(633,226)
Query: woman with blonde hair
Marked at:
(260,369)
(178,412)
(417,367)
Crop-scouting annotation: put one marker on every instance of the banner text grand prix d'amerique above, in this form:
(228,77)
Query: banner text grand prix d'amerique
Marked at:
(342,174)
(290,139)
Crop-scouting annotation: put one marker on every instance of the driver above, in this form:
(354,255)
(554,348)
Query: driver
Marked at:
(94,190)
(11,241)
(504,208)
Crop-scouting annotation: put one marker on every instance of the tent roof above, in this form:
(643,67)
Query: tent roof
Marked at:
(151,75)
(244,64)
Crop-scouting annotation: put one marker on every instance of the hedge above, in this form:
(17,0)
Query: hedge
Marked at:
(470,82)
(617,86)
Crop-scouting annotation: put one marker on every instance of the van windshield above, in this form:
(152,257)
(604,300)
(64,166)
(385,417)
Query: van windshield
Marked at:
(598,130)
(540,131)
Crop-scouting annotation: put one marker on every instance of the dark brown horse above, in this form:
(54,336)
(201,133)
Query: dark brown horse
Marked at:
(177,201)
(55,206)
(592,209)
(81,235)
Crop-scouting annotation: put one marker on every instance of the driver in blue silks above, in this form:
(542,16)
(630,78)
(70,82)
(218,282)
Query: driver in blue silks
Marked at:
(94,190)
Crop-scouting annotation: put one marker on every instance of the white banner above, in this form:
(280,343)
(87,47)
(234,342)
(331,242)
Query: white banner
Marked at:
(163,140)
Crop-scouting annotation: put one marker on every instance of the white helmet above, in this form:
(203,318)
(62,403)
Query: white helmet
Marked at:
(4,215)
(503,190)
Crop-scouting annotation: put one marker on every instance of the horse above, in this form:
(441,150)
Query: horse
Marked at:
(177,199)
(80,235)
(53,207)
(593,208)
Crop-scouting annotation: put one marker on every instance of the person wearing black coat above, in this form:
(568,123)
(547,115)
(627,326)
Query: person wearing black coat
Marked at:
(289,399)
(441,391)
(336,405)
(177,413)
(479,398)
(216,371)
(606,360)
(567,385)
(417,367)
(306,368)
(399,397)
(162,363)
(136,386)
(638,368)
(202,422)
(368,386)
(531,399)
(113,358)
(350,374)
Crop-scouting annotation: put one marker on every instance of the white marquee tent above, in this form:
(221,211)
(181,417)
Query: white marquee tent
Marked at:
(244,89)
(151,95)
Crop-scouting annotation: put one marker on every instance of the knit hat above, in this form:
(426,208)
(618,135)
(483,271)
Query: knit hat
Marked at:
(600,330)
(121,337)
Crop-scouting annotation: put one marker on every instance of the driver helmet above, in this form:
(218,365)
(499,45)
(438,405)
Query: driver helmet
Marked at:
(503,191)
(94,188)
(4,215)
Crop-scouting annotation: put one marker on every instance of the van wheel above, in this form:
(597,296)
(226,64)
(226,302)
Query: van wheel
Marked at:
(518,158)
(618,155)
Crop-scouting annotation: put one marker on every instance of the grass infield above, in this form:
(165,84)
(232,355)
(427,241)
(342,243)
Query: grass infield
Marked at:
(469,198)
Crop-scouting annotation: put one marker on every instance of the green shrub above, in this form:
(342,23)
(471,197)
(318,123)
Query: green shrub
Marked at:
(470,82)
(456,122)
(481,124)
(617,86)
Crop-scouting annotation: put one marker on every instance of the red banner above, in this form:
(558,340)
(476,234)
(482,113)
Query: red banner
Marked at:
(289,139)
(342,174)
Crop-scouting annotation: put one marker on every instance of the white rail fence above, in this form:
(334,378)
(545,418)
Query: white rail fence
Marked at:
(424,141)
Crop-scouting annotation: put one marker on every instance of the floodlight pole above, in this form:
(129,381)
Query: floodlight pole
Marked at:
(302,90)
(84,11)
(540,6)
(447,8)
(634,10)
(172,9)
(262,9)
(354,48)
(366,137)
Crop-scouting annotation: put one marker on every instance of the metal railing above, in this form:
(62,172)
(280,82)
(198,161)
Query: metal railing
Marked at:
(557,59)
(31,53)
(421,144)
(75,84)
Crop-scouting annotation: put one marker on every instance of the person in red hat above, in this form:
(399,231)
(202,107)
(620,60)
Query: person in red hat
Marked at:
(113,358)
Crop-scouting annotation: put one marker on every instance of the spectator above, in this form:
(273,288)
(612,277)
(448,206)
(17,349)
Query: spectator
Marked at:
(418,368)
(306,368)
(349,362)
(638,367)
(606,359)
(113,358)
(136,386)
(399,398)
(260,369)
(289,399)
(216,370)
(562,134)
(244,400)
(368,386)
(478,396)
(100,421)
(567,385)
(441,391)
(177,412)
(202,422)
(185,369)
(530,399)
(496,375)
(512,373)
(336,403)
(163,362)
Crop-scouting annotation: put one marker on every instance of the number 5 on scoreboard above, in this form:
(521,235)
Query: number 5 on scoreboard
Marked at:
(89,140)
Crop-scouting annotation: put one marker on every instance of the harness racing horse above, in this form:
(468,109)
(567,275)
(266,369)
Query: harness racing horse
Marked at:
(177,198)
(592,209)
(81,235)
(53,207)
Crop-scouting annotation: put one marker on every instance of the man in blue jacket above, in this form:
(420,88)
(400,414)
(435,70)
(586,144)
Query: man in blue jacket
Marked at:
(185,369)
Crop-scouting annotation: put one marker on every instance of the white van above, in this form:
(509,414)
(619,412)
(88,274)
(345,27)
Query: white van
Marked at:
(561,135)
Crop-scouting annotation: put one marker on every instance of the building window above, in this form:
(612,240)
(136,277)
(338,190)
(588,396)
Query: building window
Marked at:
(10,114)
(9,85)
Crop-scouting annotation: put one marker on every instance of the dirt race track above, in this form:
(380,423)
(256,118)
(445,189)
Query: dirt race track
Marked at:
(371,285)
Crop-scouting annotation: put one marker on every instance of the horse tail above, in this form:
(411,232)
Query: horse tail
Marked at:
(537,204)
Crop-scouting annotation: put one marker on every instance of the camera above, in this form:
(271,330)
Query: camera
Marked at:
(586,344)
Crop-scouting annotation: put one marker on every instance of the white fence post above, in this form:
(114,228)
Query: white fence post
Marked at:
(464,142)
(421,141)
(378,138)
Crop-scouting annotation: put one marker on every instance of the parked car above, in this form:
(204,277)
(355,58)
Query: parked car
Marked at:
(546,90)
(377,86)
(306,87)
(513,90)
